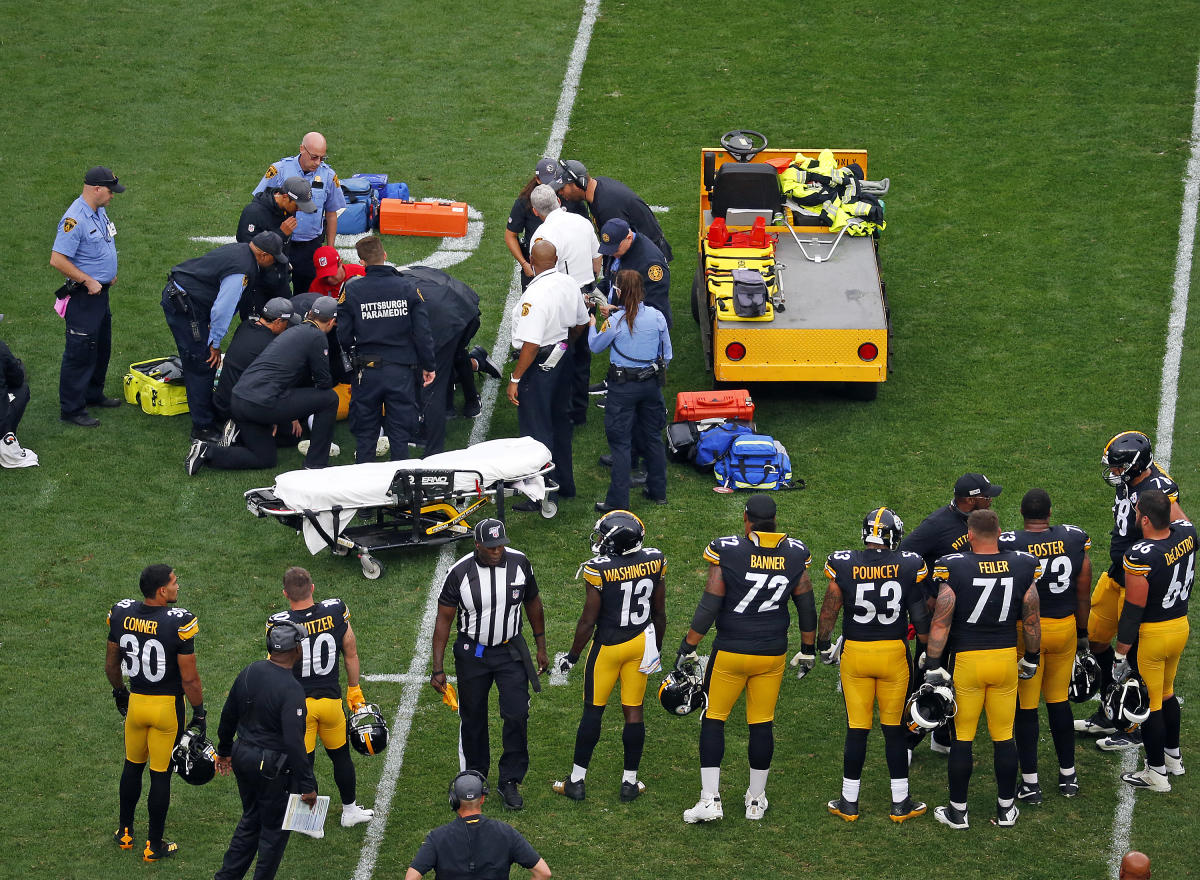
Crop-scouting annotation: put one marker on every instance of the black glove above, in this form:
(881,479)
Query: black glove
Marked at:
(685,658)
(199,722)
(121,696)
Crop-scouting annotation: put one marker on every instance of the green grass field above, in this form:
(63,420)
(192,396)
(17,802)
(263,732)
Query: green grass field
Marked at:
(1036,155)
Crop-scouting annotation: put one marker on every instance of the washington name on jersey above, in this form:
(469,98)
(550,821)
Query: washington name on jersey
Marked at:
(626,584)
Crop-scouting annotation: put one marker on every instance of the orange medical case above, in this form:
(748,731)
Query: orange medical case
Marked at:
(693,406)
(441,219)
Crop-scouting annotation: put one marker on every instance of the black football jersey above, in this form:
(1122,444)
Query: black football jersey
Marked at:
(760,574)
(318,669)
(1169,566)
(151,638)
(1126,532)
(626,584)
(943,531)
(988,591)
(1062,549)
(878,587)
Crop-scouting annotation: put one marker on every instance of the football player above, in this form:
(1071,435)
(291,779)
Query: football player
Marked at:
(750,579)
(624,607)
(1130,469)
(880,587)
(329,634)
(153,643)
(979,596)
(1159,571)
(1064,594)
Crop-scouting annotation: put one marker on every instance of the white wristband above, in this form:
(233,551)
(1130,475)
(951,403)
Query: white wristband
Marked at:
(514,380)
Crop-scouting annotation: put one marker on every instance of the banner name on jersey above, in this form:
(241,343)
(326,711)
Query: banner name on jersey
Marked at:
(136,624)
(773,563)
(630,572)
(388,308)
(993,566)
(1187,545)
(874,572)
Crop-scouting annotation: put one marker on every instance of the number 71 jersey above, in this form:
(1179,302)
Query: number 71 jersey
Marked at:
(878,587)
(988,592)
(626,584)
(326,623)
(151,637)
(760,574)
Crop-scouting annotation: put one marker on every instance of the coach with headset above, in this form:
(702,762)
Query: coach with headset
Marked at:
(474,846)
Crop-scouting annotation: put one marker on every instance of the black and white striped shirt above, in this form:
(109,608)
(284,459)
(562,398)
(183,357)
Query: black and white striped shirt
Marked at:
(489,599)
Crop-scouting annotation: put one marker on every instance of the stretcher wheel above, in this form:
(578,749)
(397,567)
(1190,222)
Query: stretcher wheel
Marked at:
(548,508)
(372,568)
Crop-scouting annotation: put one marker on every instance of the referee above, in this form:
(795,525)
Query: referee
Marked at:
(486,590)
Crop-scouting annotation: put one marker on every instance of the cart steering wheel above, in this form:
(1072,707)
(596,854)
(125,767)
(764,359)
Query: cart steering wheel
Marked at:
(740,144)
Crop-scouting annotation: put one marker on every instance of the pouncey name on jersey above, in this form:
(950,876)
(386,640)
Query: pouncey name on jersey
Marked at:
(988,591)
(878,587)
(1169,567)
(1061,549)
(1126,532)
(150,638)
(626,584)
(318,669)
(760,573)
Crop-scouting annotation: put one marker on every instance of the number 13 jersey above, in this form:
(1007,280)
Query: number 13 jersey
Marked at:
(626,584)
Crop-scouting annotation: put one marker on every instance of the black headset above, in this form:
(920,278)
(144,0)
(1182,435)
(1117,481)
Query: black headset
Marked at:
(469,782)
(570,175)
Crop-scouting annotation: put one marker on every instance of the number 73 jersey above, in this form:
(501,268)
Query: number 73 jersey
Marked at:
(151,637)
(988,591)
(326,622)
(626,584)
(760,573)
(878,587)
(1169,567)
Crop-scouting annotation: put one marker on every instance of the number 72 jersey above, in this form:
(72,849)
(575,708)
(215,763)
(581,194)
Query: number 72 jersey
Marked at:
(1169,567)
(988,591)
(151,637)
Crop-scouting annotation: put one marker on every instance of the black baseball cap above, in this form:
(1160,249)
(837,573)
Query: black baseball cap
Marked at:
(974,486)
(101,176)
(285,636)
(280,307)
(547,170)
(269,242)
(324,307)
(760,507)
(612,233)
(490,533)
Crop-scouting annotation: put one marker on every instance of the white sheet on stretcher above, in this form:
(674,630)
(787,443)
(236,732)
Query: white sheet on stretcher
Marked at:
(516,461)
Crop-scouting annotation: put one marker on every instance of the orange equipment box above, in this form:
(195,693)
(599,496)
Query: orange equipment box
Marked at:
(441,219)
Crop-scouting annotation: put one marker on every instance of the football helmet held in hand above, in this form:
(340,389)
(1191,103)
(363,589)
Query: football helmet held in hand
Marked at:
(883,528)
(682,692)
(1127,705)
(194,758)
(1085,678)
(929,707)
(367,730)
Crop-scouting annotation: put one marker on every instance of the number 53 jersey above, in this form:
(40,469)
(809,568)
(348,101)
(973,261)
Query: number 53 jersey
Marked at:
(760,573)
(151,637)
(878,587)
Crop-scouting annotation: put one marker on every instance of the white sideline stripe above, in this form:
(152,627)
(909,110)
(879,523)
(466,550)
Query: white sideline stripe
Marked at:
(660,209)
(1165,430)
(403,678)
(402,722)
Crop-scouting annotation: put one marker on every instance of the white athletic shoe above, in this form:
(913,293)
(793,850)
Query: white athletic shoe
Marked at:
(757,807)
(1174,766)
(353,814)
(1148,779)
(707,809)
(303,445)
(13,455)
(315,835)
(382,446)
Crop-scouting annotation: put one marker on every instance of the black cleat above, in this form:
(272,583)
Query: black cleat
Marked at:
(574,790)
(164,850)
(906,809)
(510,794)
(1029,792)
(123,837)
(848,810)
(631,791)
(1068,786)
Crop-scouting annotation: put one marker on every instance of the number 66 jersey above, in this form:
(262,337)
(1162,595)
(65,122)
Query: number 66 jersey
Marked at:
(151,637)
(1169,567)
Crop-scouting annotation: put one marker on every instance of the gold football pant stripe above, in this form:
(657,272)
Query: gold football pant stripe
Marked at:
(874,671)
(985,681)
(759,675)
(326,720)
(152,727)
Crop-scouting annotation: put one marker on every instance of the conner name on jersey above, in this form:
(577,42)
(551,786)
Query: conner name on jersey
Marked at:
(874,572)
(774,563)
(649,568)
(136,624)
(388,308)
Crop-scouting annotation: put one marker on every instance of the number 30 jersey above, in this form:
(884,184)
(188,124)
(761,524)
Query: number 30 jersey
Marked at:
(878,587)
(1062,549)
(326,622)
(760,573)
(625,584)
(1169,567)
(988,591)
(151,637)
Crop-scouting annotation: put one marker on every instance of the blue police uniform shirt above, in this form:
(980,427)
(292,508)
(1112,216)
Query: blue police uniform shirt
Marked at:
(636,348)
(326,194)
(87,239)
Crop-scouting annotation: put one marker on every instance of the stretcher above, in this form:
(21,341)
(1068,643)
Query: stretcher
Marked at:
(365,508)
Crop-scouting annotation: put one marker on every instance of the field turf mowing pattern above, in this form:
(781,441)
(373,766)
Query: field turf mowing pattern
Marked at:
(1036,155)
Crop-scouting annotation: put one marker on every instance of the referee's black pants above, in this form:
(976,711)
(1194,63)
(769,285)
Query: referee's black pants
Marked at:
(475,678)
(260,830)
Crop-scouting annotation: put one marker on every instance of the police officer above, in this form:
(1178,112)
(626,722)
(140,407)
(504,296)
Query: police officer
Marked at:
(249,341)
(486,589)
(273,209)
(608,199)
(199,300)
(623,248)
(382,318)
(85,251)
(453,310)
(474,845)
(316,229)
(266,708)
(635,414)
(13,381)
(550,312)
(578,250)
(288,382)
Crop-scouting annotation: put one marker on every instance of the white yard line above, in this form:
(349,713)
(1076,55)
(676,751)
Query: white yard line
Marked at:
(414,679)
(1165,430)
